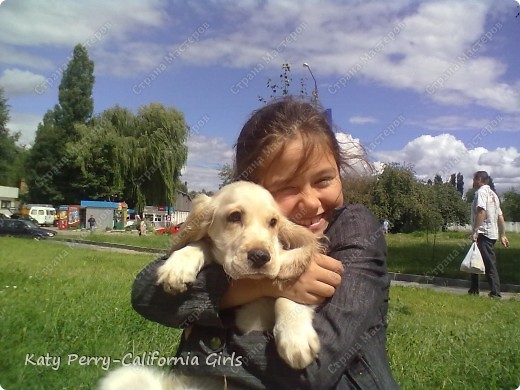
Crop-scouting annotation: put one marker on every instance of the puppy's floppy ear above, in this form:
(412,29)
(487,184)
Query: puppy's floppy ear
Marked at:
(294,236)
(196,226)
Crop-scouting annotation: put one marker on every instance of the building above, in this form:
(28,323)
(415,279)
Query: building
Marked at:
(177,213)
(8,200)
(108,215)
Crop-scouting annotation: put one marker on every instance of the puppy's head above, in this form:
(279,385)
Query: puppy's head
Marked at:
(245,230)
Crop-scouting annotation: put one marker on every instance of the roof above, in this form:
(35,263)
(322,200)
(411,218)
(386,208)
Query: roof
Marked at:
(99,204)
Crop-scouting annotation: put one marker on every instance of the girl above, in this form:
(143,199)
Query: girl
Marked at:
(289,148)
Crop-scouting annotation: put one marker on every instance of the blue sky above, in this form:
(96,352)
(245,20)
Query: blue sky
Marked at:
(435,84)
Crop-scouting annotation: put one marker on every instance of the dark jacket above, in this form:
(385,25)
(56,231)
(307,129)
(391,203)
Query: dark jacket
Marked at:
(351,325)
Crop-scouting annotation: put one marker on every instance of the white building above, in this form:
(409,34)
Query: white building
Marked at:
(8,199)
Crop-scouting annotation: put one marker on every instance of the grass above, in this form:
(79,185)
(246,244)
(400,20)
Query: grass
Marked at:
(158,241)
(442,254)
(75,302)
(416,253)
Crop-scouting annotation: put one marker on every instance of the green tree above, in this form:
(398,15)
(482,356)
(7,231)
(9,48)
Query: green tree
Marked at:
(11,154)
(361,189)
(139,157)
(54,177)
(396,197)
(448,203)
(511,205)
(75,90)
(226,175)
(44,163)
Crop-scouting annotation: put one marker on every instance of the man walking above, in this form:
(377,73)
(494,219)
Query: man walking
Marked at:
(488,225)
(91,223)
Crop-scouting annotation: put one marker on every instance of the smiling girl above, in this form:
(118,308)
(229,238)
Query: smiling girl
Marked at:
(289,148)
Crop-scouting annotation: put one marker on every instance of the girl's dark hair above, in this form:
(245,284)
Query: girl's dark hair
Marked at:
(264,136)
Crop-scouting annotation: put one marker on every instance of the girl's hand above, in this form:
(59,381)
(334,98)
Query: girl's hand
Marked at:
(316,284)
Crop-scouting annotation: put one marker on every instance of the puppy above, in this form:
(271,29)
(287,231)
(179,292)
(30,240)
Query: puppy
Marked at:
(242,229)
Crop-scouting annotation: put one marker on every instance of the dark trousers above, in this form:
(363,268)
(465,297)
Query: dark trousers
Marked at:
(485,246)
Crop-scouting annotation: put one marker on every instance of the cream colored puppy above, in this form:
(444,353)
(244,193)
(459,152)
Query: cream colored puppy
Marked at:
(242,229)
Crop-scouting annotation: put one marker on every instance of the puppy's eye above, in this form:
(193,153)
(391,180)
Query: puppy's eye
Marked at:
(235,216)
(273,222)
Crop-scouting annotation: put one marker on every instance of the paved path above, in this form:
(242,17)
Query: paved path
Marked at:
(453,290)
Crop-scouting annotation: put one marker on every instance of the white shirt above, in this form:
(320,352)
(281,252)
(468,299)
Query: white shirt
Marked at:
(486,198)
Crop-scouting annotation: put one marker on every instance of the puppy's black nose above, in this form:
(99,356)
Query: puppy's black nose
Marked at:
(258,257)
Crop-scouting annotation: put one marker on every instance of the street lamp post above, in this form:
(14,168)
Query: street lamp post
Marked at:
(315,91)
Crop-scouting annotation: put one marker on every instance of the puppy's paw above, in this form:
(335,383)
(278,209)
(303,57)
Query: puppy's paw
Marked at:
(176,273)
(298,347)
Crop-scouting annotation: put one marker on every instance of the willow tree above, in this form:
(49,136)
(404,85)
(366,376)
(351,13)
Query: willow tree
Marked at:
(139,156)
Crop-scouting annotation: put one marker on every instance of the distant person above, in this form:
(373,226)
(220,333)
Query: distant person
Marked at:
(142,227)
(91,223)
(488,225)
(386,226)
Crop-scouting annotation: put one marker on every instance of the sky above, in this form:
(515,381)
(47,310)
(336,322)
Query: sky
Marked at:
(432,84)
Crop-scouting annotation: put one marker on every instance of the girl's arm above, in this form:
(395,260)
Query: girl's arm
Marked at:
(199,304)
(316,284)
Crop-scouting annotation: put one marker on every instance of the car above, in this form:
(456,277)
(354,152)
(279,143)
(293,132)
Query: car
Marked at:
(170,229)
(23,228)
(24,217)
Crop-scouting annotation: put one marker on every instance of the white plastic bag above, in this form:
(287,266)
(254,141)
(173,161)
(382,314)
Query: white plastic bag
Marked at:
(473,262)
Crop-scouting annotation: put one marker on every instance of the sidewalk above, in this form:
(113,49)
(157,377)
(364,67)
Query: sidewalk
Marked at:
(453,286)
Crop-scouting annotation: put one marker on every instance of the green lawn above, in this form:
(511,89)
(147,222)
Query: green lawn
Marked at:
(442,254)
(415,253)
(60,301)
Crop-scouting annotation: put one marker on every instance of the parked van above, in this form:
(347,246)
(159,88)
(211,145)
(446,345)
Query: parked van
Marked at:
(44,214)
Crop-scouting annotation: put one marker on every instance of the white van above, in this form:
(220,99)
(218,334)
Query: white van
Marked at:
(45,215)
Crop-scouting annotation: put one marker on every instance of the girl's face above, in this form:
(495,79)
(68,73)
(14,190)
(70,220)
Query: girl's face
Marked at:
(309,197)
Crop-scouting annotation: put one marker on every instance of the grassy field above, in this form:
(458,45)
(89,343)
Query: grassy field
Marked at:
(442,254)
(60,301)
(415,253)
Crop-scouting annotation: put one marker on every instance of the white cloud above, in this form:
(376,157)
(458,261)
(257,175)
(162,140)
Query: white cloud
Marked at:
(205,157)
(361,120)
(417,44)
(444,154)
(19,82)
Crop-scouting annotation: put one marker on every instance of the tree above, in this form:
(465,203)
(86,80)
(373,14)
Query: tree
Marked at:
(226,175)
(511,205)
(53,173)
(139,157)
(460,183)
(448,203)
(75,90)
(45,160)
(396,197)
(453,180)
(437,179)
(11,155)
